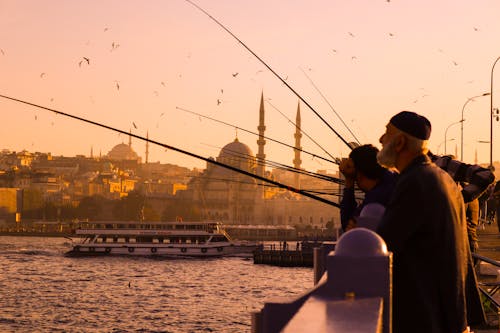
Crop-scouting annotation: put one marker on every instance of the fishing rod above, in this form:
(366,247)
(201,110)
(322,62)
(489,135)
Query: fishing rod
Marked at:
(281,166)
(185,152)
(335,160)
(329,104)
(330,192)
(271,70)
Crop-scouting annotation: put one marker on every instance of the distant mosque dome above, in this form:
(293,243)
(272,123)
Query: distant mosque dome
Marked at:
(122,152)
(238,155)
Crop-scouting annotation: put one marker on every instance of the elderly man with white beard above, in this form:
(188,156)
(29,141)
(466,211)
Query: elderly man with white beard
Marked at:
(424,227)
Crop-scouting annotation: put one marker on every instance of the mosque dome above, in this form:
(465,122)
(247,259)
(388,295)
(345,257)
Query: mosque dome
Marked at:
(122,152)
(238,155)
(236,149)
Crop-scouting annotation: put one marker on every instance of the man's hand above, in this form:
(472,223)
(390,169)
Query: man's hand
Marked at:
(351,224)
(346,167)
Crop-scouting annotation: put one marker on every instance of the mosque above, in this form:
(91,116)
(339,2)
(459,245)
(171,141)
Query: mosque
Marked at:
(235,198)
(124,152)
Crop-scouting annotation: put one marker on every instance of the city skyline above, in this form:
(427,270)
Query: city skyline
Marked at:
(135,67)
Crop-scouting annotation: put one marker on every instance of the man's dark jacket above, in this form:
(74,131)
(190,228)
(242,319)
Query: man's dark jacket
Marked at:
(381,194)
(424,227)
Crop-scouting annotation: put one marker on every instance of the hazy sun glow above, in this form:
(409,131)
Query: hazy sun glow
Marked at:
(134,65)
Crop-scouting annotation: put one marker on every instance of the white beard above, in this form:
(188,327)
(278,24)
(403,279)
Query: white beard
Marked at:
(388,155)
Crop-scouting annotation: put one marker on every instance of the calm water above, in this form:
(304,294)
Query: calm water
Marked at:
(43,291)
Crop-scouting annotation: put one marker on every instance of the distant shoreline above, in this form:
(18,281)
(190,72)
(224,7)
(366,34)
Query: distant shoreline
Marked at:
(37,234)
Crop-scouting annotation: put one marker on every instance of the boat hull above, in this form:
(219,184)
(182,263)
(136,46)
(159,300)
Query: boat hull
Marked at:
(163,251)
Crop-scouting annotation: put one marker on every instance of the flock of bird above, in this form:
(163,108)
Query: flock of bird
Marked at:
(86,61)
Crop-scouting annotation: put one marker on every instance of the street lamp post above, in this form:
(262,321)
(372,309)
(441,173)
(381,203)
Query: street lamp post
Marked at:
(446,131)
(462,123)
(491,114)
(440,144)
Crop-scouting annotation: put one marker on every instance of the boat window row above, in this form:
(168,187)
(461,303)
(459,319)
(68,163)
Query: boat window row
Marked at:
(160,240)
(210,227)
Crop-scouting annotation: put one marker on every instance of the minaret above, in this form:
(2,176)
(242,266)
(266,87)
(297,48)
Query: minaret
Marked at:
(475,156)
(261,142)
(147,146)
(130,139)
(91,152)
(298,135)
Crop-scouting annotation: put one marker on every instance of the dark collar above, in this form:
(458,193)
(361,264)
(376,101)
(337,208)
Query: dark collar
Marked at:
(419,160)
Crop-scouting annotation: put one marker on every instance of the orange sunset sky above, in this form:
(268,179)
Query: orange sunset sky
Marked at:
(146,59)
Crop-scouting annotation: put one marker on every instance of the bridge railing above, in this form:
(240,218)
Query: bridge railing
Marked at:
(343,299)
(489,289)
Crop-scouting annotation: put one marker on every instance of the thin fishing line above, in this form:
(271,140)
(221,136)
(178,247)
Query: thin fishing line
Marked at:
(272,71)
(335,160)
(280,166)
(329,104)
(185,152)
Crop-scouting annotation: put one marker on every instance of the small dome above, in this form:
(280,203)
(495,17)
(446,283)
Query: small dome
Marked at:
(122,152)
(361,242)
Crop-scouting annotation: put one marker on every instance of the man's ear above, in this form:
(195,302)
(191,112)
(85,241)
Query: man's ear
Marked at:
(400,143)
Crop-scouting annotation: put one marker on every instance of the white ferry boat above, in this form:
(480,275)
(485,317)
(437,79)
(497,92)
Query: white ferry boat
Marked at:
(169,239)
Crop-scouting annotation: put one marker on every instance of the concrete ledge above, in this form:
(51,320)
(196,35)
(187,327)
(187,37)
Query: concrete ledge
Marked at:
(334,316)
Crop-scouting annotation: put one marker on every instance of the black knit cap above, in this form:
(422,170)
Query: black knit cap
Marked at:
(413,124)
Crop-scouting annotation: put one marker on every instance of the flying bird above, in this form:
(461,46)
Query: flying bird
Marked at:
(117,85)
(351,34)
(222,91)
(114,46)
(87,60)
(1,51)
(105,29)
(235,74)
(162,83)
(135,126)
(42,75)
(218,101)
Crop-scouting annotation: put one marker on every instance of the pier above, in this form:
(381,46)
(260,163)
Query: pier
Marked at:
(299,254)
